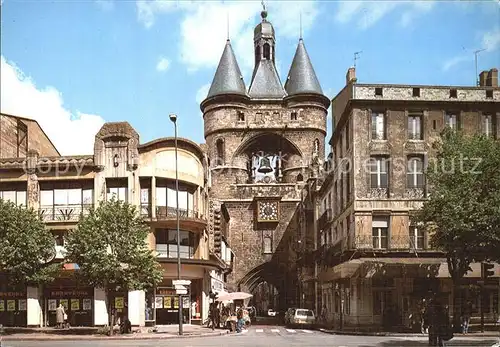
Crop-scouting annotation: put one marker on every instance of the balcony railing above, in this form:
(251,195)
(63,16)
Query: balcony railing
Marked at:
(64,213)
(326,217)
(170,251)
(166,212)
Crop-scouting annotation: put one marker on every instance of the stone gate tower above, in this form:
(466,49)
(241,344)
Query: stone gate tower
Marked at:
(263,144)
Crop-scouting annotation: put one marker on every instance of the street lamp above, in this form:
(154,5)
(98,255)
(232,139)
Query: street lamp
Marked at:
(173,118)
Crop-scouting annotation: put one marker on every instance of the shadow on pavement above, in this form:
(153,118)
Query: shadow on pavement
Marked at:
(454,342)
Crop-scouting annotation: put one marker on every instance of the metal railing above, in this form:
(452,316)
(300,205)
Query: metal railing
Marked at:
(64,212)
(167,212)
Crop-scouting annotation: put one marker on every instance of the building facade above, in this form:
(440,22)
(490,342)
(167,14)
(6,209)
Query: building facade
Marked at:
(263,143)
(375,267)
(64,188)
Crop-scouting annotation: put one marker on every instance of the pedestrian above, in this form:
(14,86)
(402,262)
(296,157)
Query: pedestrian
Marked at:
(466,313)
(60,316)
(239,320)
(439,324)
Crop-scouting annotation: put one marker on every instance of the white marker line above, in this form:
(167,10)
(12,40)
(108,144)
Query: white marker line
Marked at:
(275,330)
(307,331)
(244,331)
(290,330)
(259,330)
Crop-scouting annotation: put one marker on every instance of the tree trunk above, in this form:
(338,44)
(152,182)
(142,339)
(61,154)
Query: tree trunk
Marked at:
(457,305)
(111,314)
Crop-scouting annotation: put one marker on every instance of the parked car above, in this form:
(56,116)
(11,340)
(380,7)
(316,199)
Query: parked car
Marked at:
(300,316)
(271,313)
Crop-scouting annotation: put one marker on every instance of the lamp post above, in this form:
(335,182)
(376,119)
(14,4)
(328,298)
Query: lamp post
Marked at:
(173,118)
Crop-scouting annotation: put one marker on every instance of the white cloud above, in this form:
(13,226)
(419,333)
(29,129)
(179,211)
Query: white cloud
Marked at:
(163,64)
(71,133)
(204,26)
(202,93)
(491,40)
(368,13)
(105,5)
(455,61)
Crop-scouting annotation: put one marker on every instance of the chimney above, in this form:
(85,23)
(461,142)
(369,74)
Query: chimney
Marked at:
(492,79)
(482,78)
(350,77)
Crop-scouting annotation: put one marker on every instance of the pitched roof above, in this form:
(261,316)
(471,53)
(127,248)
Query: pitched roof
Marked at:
(266,82)
(228,78)
(301,77)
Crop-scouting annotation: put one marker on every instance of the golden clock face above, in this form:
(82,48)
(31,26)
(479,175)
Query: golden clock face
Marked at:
(268,211)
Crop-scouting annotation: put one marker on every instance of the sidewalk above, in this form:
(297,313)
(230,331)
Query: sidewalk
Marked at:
(367,333)
(162,332)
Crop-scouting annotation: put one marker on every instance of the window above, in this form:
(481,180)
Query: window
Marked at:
(267,245)
(17,197)
(434,124)
(119,193)
(341,191)
(378,172)
(377,303)
(166,243)
(347,135)
(415,127)
(453,93)
(416,238)
(257,53)
(166,197)
(293,115)
(348,181)
(241,116)
(415,173)
(378,91)
(219,144)
(380,230)
(489,94)
(300,177)
(267,51)
(22,139)
(451,121)
(416,92)
(378,126)
(336,194)
(487,121)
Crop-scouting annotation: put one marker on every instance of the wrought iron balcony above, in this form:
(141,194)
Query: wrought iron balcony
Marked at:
(64,213)
(167,212)
(326,217)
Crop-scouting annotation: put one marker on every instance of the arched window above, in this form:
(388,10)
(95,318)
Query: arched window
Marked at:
(316,147)
(300,178)
(267,51)
(267,245)
(219,144)
(257,53)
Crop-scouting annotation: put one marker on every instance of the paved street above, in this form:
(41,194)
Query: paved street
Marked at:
(264,336)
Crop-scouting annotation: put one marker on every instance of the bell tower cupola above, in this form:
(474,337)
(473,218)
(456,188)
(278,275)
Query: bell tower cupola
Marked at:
(264,40)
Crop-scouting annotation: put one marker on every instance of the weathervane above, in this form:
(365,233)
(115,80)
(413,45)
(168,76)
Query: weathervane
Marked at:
(263,5)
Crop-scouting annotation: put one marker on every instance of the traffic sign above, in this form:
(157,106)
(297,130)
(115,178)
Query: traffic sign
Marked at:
(181,282)
(181,292)
(179,287)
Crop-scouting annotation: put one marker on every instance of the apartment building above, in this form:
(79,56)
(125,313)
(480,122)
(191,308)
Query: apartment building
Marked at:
(374,267)
(63,188)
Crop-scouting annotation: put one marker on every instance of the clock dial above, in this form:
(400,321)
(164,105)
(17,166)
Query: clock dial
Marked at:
(268,211)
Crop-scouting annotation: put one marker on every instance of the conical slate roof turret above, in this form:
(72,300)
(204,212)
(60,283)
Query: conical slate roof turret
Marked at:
(228,78)
(302,78)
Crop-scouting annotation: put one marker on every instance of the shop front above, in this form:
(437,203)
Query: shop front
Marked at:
(13,305)
(78,304)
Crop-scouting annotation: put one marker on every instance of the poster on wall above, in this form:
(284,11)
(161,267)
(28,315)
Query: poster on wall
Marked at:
(52,305)
(64,302)
(22,305)
(11,305)
(167,302)
(159,302)
(2,307)
(185,302)
(75,304)
(87,304)
(119,302)
(176,302)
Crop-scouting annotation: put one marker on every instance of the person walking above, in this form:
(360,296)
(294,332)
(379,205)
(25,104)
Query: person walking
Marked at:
(439,324)
(60,315)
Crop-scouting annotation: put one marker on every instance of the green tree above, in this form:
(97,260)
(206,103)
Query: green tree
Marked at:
(109,246)
(26,247)
(462,215)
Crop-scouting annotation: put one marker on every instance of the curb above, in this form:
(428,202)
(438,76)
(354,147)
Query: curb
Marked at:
(358,333)
(94,337)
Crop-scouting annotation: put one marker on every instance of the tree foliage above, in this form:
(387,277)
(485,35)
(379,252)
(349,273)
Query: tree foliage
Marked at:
(26,246)
(109,246)
(462,214)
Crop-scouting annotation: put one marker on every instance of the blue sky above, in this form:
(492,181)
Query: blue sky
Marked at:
(73,65)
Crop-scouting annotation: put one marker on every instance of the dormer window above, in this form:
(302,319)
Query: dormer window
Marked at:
(241,116)
(267,51)
(293,115)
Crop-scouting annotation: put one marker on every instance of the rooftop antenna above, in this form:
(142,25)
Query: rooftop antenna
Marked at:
(356,57)
(475,61)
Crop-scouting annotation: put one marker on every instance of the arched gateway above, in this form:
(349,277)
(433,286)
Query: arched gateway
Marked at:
(262,145)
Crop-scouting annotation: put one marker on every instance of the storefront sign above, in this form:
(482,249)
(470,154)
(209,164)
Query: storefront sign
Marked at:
(167,302)
(185,301)
(52,305)
(217,286)
(11,305)
(119,302)
(165,291)
(12,294)
(87,304)
(75,304)
(70,293)
(22,305)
